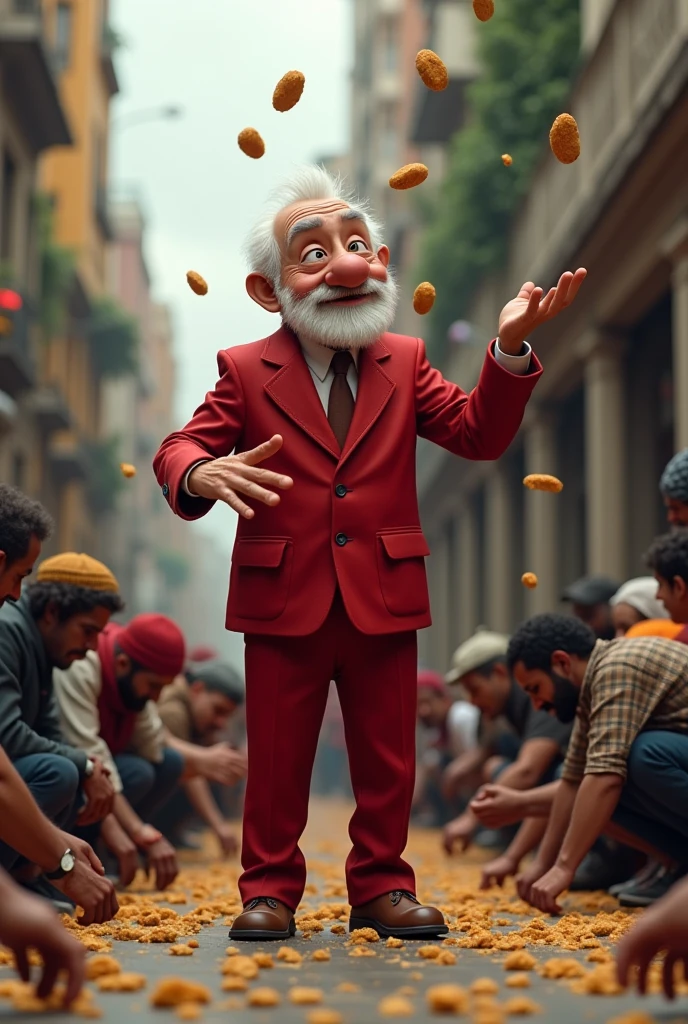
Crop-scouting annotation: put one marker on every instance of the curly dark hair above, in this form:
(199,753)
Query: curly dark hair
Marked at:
(21,518)
(70,600)
(538,638)
(668,555)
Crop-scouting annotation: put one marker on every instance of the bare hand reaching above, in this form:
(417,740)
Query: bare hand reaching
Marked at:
(27,922)
(226,478)
(224,765)
(529,309)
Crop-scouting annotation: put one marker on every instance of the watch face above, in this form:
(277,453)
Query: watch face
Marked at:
(68,861)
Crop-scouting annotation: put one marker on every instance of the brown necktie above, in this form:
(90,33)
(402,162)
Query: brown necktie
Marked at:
(340,407)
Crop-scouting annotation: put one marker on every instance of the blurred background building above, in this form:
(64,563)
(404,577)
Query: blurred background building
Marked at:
(613,404)
(87,368)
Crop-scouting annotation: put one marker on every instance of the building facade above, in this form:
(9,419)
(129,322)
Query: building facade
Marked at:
(75,180)
(612,405)
(33,118)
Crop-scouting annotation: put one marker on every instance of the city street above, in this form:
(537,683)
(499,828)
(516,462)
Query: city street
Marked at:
(369,978)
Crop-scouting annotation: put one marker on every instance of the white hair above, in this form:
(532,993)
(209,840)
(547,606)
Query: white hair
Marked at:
(305,183)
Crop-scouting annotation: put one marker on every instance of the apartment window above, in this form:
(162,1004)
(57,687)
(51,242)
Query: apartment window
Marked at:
(390,45)
(63,35)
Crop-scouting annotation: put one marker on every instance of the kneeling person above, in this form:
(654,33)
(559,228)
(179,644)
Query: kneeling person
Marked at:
(195,710)
(107,706)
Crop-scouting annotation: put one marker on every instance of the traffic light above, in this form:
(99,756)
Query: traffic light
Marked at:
(11,303)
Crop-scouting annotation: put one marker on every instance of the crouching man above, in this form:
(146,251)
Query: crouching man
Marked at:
(107,707)
(196,710)
(626,770)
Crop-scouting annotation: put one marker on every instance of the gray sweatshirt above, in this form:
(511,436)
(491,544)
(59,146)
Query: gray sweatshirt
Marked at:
(29,715)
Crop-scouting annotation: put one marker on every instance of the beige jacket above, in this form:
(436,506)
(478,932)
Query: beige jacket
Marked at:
(77,690)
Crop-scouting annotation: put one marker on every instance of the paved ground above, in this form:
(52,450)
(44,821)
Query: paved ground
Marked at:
(377,976)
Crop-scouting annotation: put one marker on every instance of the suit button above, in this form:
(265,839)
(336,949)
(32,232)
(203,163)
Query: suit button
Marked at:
(165,490)
(341,539)
(340,490)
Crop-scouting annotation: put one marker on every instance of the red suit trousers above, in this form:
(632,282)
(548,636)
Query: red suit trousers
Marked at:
(287,683)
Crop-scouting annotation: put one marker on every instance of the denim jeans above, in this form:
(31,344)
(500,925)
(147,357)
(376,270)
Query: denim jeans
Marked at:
(654,801)
(54,784)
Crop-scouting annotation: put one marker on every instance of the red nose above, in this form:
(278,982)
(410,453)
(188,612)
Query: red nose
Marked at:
(348,271)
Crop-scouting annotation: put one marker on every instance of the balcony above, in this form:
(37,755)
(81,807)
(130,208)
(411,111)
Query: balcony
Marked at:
(49,408)
(28,82)
(67,457)
(108,45)
(439,115)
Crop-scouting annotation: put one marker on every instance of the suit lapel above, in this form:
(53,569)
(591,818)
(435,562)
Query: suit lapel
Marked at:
(374,391)
(293,390)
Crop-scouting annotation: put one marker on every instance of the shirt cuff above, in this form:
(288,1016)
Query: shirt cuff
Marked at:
(185,482)
(514,364)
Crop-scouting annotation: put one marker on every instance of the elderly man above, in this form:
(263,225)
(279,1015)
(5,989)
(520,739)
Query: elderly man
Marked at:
(328,578)
(673,487)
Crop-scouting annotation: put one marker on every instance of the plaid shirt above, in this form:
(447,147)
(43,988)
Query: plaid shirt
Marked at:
(629,686)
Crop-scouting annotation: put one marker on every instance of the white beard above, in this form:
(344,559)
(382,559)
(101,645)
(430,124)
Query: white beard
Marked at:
(338,326)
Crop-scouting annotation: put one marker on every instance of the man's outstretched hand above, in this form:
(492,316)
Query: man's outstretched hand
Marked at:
(530,309)
(226,478)
(663,927)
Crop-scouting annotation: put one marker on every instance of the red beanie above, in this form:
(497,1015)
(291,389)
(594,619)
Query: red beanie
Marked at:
(155,643)
(429,680)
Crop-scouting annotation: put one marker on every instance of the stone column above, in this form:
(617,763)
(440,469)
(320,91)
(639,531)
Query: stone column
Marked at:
(605,456)
(499,554)
(439,595)
(675,247)
(467,572)
(541,515)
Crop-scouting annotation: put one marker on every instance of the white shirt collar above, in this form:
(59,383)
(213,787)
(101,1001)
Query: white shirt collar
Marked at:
(319,357)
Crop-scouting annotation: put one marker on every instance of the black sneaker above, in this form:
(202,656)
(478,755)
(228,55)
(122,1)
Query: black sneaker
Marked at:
(642,877)
(644,894)
(599,870)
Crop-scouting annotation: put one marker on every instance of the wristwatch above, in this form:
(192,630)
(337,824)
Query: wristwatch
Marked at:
(90,768)
(67,864)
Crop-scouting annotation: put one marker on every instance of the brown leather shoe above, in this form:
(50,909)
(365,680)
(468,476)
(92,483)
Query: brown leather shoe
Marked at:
(398,914)
(263,919)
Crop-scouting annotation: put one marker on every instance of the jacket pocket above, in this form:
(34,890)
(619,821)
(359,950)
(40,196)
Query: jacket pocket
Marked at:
(401,557)
(261,576)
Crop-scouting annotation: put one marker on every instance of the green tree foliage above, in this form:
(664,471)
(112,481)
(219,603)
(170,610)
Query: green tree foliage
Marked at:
(57,270)
(105,481)
(114,339)
(529,54)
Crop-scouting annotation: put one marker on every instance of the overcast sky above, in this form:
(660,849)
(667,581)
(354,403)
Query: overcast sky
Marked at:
(220,60)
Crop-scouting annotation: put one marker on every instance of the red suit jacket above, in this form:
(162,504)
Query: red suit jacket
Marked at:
(351,518)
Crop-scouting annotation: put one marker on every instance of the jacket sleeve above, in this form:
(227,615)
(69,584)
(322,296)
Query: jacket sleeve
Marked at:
(480,425)
(212,433)
(17,738)
(77,690)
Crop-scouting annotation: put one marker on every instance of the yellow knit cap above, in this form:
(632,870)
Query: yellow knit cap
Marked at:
(77,570)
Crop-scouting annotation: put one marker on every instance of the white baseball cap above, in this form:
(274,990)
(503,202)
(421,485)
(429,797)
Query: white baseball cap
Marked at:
(483,647)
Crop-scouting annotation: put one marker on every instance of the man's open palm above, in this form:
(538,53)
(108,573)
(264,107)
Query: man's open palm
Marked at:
(530,309)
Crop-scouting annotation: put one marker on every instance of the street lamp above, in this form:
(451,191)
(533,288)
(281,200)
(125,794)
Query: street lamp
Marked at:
(166,113)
